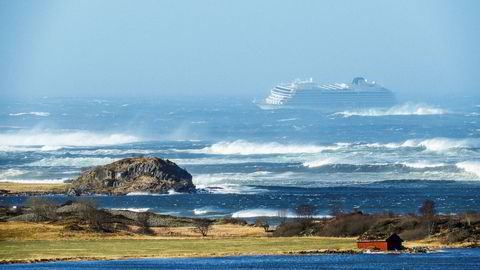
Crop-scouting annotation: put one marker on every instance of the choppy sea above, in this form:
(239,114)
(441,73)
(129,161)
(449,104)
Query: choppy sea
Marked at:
(248,162)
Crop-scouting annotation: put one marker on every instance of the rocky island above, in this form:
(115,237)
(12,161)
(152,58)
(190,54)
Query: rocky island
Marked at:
(142,174)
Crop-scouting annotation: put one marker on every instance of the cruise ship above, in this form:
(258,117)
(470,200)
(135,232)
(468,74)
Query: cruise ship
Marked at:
(306,94)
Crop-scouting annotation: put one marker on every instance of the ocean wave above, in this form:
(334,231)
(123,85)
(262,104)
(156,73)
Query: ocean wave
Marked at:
(78,138)
(320,162)
(472,167)
(72,162)
(443,144)
(11,173)
(405,109)
(434,144)
(43,114)
(112,152)
(133,209)
(249,213)
(423,164)
(230,189)
(207,210)
(241,147)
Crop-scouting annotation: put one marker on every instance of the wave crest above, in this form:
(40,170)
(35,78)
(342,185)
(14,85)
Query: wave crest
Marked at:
(472,167)
(43,114)
(405,109)
(319,162)
(73,162)
(241,147)
(79,138)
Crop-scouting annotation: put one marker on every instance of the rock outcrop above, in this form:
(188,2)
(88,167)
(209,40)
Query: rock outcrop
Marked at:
(154,175)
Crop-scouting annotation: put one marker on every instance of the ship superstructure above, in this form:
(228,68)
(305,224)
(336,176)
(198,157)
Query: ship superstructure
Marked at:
(329,97)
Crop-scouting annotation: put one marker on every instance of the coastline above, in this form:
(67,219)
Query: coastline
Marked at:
(49,241)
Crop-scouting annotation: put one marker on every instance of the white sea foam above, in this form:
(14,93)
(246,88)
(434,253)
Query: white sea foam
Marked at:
(405,109)
(43,114)
(230,189)
(443,144)
(111,152)
(320,162)
(472,167)
(51,148)
(133,209)
(207,210)
(423,164)
(287,119)
(220,178)
(249,213)
(241,147)
(73,162)
(57,139)
(11,173)
(434,144)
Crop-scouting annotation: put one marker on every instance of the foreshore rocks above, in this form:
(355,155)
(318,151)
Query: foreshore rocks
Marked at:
(143,174)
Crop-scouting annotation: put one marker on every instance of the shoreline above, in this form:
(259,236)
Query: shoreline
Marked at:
(345,252)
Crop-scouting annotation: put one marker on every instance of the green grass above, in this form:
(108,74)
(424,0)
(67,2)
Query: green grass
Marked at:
(111,249)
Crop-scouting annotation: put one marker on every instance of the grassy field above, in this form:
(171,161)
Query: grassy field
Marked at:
(164,248)
(36,241)
(33,188)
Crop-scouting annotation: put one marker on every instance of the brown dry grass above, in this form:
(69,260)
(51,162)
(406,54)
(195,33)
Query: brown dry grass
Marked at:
(34,188)
(24,242)
(17,231)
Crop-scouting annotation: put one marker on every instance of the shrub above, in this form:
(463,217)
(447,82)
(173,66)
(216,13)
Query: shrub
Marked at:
(144,225)
(97,220)
(458,236)
(418,233)
(289,229)
(42,207)
(262,222)
(202,226)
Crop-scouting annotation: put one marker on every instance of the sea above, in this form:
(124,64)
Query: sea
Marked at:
(461,259)
(248,162)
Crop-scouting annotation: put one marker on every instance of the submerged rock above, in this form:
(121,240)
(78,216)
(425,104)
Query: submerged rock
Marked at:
(153,175)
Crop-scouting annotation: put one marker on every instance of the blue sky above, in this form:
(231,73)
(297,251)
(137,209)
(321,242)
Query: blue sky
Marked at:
(190,48)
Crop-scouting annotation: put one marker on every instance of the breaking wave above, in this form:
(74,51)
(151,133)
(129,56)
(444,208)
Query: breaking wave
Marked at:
(229,189)
(249,213)
(319,162)
(472,167)
(241,147)
(405,109)
(11,173)
(133,209)
(207,210)
(79,138)
(72,162)
(423,164)
(433,144)
(43,114)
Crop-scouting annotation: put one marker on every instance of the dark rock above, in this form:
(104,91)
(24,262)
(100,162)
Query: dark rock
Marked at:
(154,175)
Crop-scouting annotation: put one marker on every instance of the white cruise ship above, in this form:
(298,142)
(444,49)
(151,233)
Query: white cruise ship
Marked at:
(328,97)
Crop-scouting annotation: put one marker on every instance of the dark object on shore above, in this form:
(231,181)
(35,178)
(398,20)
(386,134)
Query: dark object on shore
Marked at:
(153,175)
(393,242)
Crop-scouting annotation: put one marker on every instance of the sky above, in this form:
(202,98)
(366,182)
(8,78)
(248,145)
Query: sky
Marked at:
(110,48)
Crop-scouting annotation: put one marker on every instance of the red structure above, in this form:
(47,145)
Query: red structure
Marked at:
(393,242)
